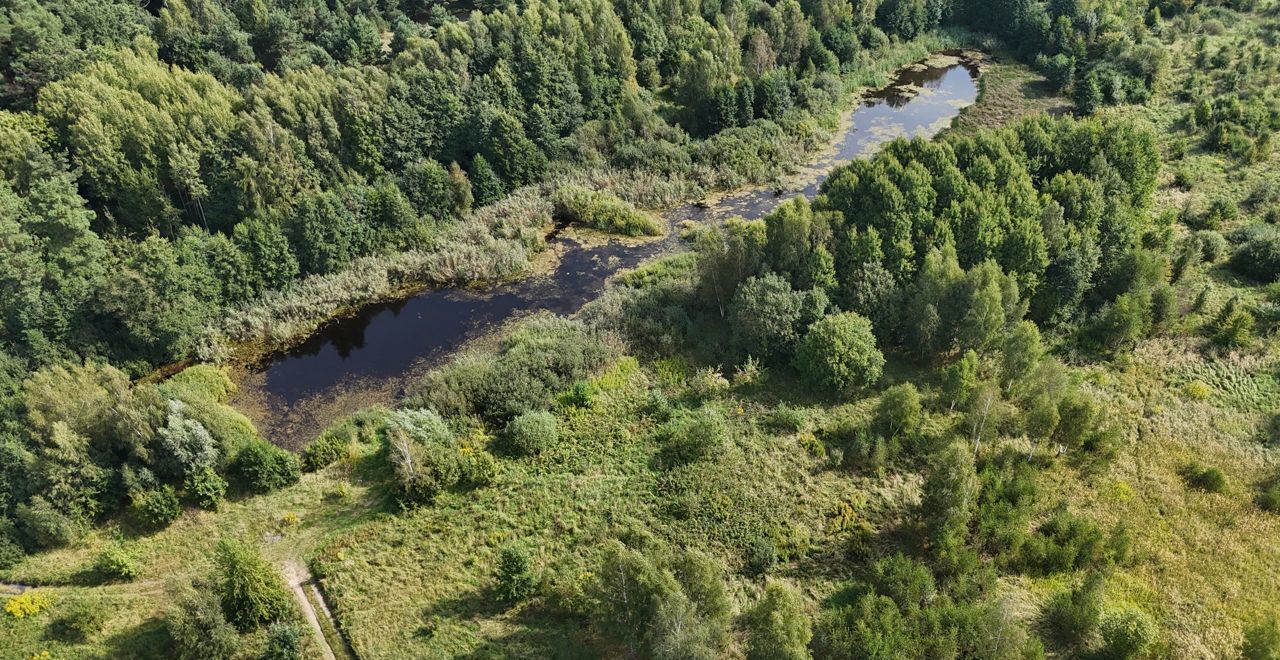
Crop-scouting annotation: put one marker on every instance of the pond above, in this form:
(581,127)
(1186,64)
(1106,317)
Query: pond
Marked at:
(369,357)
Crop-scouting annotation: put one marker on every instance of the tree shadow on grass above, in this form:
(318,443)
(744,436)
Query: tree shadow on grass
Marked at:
(541,632)
(147,641)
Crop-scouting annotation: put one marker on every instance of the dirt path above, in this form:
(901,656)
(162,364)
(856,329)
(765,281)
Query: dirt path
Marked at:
(7,589)
(299,580)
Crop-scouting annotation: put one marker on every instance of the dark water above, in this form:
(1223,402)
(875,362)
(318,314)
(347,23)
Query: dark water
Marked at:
(384,341)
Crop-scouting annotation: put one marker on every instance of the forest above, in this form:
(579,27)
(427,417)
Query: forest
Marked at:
(1009,392)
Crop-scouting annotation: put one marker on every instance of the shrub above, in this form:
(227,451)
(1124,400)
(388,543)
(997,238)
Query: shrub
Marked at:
(839,352)
(207,487)
(1072,615)
(1127,633)
(198,628)
(45,526)
(866,450)
(1197,390)
(1207,479)
(1262,640)
(1233,329)
(1213,246)
(764,315)
(761,553)
(1064,542)
(264,467)
(778,628)
(581,394)
(10,552)
(899,411)
(116,562)
(908,582)
(284,641)
(693,435)
(185,444)
(336,442)
(427,458)
(870,628)
(251,591)
(1269,498)
(205,380)
(532,433)
(80,622)
(680,606)
(325,450)
(157,508)
(27,604)
(604,211)
(541,356)
(1259,256)
(516,581)
(785,419)
(1220,212)
(750,372)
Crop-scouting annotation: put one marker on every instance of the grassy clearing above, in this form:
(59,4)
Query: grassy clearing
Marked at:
(133,628)
(1203,563)
(1007,91)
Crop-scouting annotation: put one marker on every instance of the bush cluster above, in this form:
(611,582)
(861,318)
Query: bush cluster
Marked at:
(604,211)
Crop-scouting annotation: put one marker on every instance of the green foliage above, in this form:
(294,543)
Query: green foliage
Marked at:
(765,315)
(532,433)
(1072,615)
(604,211)
(44,526)
(332,446)
(539,358)
(117,562)
(907,582)
(428,459)
(950,496)
(960,378)
(207,487)
(251,591)
(284,641)
(900,412)
(1127,633)
(1259,257)
(337,442)
(1269,498)
(1206,478)
(264,467)
(79,622)
(1063,542)
(205,380)
(197,627)
(839,352)
(778,627)
(694,435)
(158,507)
(10,552)
(676,606)
(1233,328)
(1262,640)
(516,581)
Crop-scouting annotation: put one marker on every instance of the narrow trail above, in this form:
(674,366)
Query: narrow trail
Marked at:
(299,580)
(8,589)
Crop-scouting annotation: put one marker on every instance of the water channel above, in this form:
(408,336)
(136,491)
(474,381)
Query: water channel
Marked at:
(369,357)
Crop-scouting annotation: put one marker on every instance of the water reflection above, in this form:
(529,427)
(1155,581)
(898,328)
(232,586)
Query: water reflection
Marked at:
(383,341)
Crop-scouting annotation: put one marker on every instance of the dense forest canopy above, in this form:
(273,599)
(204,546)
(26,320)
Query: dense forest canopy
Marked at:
(942,409)
(167,162)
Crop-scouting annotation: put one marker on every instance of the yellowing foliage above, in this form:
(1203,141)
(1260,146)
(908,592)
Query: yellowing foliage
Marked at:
(27,604)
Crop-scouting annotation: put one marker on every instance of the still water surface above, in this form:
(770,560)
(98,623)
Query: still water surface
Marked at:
(376,349)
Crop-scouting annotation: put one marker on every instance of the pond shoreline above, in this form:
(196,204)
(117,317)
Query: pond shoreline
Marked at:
(292,394)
